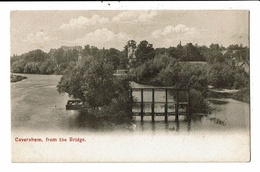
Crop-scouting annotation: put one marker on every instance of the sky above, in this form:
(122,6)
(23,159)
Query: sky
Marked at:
(44,30)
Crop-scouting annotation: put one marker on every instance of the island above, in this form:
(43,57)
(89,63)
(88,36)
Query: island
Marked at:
(16,78)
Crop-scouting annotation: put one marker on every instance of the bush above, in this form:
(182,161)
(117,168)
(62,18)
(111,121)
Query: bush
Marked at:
(242,95)
(222,75)
(198,102)
(102,93)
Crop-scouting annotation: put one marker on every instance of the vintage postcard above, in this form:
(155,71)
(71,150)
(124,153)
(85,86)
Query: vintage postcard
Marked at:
(130,85)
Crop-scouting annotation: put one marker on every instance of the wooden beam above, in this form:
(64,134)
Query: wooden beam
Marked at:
(166,112)
(157,89)
(131,97)
(142,105)
(152,105)
(166,105)
(189,106)
(177,107)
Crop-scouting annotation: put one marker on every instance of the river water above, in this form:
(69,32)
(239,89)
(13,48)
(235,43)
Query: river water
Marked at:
(38,111)
(36,105)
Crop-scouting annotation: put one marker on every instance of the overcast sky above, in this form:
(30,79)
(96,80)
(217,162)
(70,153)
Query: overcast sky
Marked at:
(52,29)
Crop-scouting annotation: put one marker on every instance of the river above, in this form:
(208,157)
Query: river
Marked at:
(38,110)
(36,105)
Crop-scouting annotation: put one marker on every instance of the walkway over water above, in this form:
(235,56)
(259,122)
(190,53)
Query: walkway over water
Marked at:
(160,101)
(152,101)
(121,72)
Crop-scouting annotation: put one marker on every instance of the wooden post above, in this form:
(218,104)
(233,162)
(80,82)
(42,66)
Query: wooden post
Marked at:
(152,105)
(142,105)
(166,106)
(177,106)
(189,113)
(131,98)
(177,125)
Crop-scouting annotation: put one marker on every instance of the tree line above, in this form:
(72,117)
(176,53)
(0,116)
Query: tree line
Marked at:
(222,67)
(61,61)
(88,73)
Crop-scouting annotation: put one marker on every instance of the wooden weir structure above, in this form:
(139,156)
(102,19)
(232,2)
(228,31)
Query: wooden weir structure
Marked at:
(168,110)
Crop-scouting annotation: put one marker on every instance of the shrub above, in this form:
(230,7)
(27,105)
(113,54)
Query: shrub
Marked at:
(102,93)
(198,102)
(242,95)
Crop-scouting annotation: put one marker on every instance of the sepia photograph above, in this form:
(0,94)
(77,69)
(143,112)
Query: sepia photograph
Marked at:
(130,85)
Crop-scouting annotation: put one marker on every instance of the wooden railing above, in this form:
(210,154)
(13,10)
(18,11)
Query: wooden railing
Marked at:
(167,111)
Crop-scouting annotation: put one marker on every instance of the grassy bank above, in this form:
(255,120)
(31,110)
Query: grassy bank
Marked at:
(16,78)
(241,95)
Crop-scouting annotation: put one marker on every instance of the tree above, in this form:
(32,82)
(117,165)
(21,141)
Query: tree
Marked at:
(32,67)
(47,67)
(112,56)
(150,68)
(18,66)
(58,56)
(192,53)
(215,57)
(90,51)
(214,47)
(70,55)
(175,52)
(221,75)
(144,52)
(96,85)
(193,76)
(169,75)
(35,56)
(233,47)
(161,51)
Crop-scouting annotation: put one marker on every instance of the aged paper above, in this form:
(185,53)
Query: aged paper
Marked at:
(55,42)
(154,143)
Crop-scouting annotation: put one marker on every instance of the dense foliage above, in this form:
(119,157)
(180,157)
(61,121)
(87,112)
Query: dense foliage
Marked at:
(62,60)
(94,83)
(16,78)
(166,71)
(214,65)
(39,62)
(223,68)
(242,95)
(88,72)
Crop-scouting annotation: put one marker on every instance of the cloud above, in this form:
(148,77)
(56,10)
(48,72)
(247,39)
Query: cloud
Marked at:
(179,29)
(135,16)
(103,38)
(38,38)
(125,16)
(81,22)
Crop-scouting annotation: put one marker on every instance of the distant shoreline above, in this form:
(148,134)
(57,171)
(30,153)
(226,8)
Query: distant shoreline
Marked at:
(17,78)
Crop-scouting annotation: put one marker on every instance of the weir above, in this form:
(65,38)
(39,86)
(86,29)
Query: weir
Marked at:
(145,101)
(176,102)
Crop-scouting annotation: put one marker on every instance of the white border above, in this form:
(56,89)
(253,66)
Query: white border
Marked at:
(5,127)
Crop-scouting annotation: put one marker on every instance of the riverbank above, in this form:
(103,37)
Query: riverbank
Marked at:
(36,105)
(16,78)
(242,95)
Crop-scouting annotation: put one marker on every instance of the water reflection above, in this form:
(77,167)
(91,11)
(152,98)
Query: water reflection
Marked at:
(80,121)
(158,126)
(85,122)
(189,125)
(36,105)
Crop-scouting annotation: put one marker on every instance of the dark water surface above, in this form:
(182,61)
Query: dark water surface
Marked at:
(36,105)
